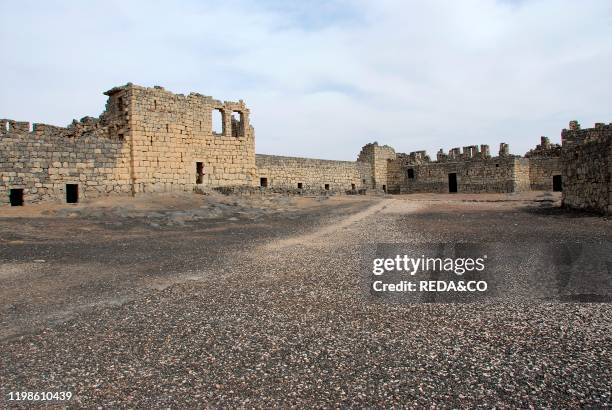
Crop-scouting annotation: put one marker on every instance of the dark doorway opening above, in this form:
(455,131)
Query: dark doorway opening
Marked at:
(353,187)
(557,183)
(384,188)
(72,193)
(300,185)
(16,197)
(410,173)
(263,182)
(199,172)
(452,182)
(327,187)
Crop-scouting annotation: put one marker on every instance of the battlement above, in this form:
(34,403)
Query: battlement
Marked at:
(576,135)
(544,149)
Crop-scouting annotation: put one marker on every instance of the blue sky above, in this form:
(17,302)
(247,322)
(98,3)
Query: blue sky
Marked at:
(322,78)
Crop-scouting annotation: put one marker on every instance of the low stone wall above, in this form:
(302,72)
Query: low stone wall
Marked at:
(499,174)
(43,161)
(314,175)
(587,171)
(541,172)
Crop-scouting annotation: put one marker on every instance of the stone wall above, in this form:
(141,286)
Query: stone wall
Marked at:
(497,174)
(146,140)
(312,175)
(90,153)
(172,133)
(474,169)
(378,156)
(544,165)
(586,167)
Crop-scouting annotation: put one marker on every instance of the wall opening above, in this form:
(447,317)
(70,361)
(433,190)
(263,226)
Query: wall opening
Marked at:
(237,124)
(557,183)
(353,187)
(300,185)
(16,197)
(72,193)
(199,172)
(327,187)
(217,122)
(452,182)
(263,182)
(410,173)
(8,126)
(120,104)
(384,188)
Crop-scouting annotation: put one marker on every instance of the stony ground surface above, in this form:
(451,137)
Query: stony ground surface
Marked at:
(268,309)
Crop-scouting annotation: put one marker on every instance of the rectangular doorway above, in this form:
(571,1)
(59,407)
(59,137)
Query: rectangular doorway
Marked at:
(72,193)
(199,172)
(557,183)
(263,182)
(452,182)
(16,197)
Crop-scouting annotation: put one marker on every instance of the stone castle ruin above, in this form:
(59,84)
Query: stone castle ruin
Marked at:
(151,140)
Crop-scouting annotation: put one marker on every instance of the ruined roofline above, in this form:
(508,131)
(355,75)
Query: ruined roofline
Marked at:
(89,123)
(8,126)
(157,89)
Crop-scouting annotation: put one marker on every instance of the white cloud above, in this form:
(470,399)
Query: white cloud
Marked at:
(323,78)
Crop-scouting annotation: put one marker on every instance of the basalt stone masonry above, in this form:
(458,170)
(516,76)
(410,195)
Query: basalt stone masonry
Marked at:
(152,140)
(586,158)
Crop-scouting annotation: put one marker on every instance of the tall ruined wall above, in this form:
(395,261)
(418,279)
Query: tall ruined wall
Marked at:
(587,171)
(313,174)
(544,165)
(92,153)
(378,156)
(173,132)
(147,140)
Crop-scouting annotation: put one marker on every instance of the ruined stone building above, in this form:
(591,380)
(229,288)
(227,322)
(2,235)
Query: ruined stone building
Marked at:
(151,140)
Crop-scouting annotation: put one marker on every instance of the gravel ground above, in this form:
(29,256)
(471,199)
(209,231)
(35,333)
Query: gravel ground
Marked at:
(278,318)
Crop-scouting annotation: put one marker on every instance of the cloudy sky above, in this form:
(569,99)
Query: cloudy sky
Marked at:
(322,78)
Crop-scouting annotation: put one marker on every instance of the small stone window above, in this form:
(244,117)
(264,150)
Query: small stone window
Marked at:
(353,187)
(199,172)
(300,185)
(496,165)
(557,183)
(16,197)
(263,182)
(72,193)
(385,188)
(410,173)
(237,124)
(327,187)
(218,127)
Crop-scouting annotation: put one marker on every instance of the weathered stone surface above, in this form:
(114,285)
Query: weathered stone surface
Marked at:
(586,158)
(151,140)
